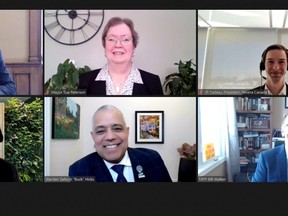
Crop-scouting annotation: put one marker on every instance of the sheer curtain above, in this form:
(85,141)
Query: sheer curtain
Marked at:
(217,125)
(232,146)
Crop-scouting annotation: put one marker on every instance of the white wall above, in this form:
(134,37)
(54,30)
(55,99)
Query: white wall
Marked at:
(179,127)
(165,37)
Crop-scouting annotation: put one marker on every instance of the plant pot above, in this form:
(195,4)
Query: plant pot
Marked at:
(187,171)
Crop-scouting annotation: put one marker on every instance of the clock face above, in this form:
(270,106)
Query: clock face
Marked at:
(72,27)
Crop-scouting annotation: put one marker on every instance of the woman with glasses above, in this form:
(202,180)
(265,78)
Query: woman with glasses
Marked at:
(120,76)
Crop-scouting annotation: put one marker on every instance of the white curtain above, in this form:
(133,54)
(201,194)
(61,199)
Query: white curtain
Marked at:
(232,146)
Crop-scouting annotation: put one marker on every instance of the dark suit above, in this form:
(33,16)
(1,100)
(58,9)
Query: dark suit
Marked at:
(153,166)
(7,85)
(262,88)
(151,84)
(8,172)
(271,166)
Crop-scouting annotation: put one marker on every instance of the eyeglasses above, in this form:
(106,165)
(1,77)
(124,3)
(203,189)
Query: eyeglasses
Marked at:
(113,40)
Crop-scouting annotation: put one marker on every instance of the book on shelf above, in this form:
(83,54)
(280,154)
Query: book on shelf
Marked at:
(244,160)
(254,103)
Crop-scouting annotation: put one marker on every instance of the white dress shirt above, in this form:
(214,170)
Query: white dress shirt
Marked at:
(127,172)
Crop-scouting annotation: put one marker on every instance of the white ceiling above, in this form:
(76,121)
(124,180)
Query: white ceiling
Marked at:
(243,18)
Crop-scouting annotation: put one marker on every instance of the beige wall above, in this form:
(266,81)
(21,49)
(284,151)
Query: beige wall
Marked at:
(179,128)
(14,35)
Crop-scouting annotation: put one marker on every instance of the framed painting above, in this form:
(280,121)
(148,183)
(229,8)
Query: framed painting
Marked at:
(65,118)
(149,127)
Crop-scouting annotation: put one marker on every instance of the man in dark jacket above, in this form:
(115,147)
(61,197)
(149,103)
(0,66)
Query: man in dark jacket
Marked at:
(110,136)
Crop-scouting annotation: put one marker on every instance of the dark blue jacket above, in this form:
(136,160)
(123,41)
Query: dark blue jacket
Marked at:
(7,85)
(153,166)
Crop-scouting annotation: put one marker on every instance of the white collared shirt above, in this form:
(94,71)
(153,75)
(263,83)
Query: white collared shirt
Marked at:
(127,172)
(282,92)
(133,77)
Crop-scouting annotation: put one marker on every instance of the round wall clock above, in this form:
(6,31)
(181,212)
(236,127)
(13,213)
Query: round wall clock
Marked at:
(72,27)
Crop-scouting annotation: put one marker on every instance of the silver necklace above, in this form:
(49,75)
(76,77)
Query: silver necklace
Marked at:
(117,87)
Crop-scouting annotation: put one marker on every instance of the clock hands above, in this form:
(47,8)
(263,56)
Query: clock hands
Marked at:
(73,27)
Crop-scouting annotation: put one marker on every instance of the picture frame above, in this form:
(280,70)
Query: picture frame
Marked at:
(286,102)
(65,118)
(149,127)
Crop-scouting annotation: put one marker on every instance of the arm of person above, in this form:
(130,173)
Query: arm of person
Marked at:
(1,135)
(260,174)
(72,171)
(7,85)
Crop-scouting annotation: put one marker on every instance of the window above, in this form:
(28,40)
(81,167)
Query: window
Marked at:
(212,132)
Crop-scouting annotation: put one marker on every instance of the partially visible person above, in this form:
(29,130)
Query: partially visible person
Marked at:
(110,136)
(8,172)
(120,76)
(274,62)
(273,163)
(1,135)
(7,85)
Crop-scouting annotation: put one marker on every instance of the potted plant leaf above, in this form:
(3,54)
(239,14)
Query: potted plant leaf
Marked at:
(184,81)
(66,78)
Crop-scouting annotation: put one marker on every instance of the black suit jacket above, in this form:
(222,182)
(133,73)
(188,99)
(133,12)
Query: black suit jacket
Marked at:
(153,166)
(151,84)
(262,88)
(8,172)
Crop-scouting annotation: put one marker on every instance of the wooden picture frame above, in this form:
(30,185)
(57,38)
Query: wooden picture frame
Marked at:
(65,118)
(149,127)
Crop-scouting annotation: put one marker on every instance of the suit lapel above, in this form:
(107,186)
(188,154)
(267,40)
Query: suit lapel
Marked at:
(99,170)
(97,88)
(137,166)
(138,89)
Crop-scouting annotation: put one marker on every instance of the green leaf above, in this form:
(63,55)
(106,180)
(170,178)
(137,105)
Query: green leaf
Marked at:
(184,81)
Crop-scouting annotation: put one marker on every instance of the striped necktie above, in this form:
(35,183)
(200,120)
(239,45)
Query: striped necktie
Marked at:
(119,170)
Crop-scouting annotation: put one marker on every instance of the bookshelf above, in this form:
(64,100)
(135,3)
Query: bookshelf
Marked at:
(254,129)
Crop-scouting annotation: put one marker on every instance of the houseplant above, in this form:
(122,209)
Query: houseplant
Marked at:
(184,81)
(187,151)
(187,171)
(66,78)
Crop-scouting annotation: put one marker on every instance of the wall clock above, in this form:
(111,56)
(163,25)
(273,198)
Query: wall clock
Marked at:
(72,27)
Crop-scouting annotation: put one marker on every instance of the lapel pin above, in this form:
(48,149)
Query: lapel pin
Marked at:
(139,169)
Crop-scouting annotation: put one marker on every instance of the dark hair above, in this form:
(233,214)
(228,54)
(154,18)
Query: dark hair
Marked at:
(116,21)
(272,47)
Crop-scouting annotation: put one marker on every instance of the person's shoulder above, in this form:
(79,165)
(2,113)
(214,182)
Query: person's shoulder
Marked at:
(5,163)
(144,151)
(89,73)
(147,74)
(273,151)
(85,159)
